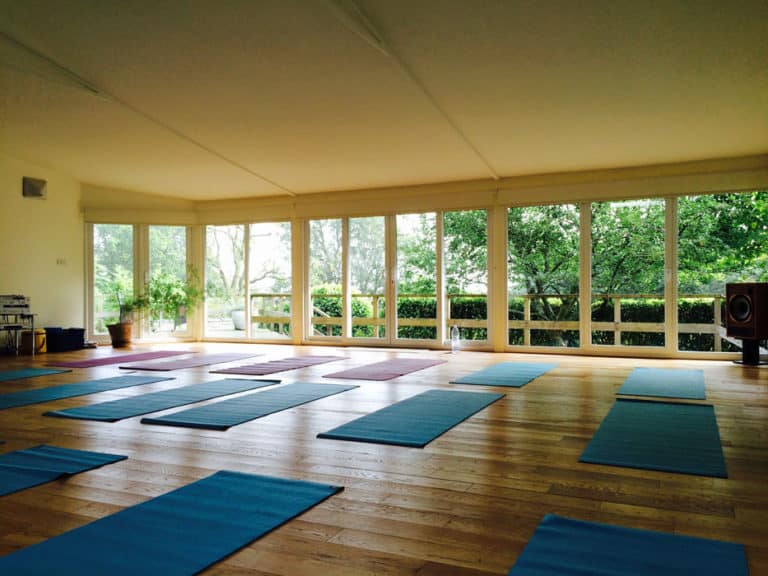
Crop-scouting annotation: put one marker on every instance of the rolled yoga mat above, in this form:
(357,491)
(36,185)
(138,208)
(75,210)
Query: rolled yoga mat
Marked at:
(566,547)
(228,413)
(659,436)
(38,395)
(179,533)
(416,421)
(26,468)
(156,401)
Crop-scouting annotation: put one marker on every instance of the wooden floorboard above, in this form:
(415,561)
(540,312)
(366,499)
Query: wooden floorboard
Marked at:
(464,505)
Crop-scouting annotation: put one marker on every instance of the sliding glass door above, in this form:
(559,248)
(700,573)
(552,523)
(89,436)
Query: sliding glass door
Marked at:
(417,277)
(225,301)
(112,274)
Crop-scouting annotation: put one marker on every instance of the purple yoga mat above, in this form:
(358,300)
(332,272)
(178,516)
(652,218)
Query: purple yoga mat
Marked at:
(198,360)
(118,358)
(278,365)
(385,370)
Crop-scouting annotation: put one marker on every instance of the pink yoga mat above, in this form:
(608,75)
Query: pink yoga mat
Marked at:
(385,370)
(278,365)
(198,360)
(118,358)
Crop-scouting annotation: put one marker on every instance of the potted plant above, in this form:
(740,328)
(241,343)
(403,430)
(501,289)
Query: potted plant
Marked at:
(172,298)
(120,332)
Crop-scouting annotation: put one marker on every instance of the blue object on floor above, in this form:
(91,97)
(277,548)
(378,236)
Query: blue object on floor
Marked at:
(156,401)
(659,436)
(181,532)
(26,468)
(228,413)
(415,421)
(665,383)
(37,395)
(566,547)
(512,374)
(28,373)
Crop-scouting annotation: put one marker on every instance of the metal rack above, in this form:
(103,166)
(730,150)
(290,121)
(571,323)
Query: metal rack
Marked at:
(15,317)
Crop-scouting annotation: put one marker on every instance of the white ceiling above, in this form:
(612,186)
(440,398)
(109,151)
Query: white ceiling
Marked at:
(207,99)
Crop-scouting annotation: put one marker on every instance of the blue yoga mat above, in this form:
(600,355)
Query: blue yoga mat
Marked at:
(28,373)
(156,401)
(228,413)
(26,468)
(659,436)
(38,395)
(566,547)
(415,421)
(179,533)
(665,383)
(513,374)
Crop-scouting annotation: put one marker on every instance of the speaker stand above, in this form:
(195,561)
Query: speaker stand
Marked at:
(750,353)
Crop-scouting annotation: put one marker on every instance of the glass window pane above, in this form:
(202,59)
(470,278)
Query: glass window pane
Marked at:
(543,276)
(722,238)
(325,276)
(465,245)
(270,279)
(628,273)
(225,281)
(367,275)
(168,275)
(112,272)
(416,276)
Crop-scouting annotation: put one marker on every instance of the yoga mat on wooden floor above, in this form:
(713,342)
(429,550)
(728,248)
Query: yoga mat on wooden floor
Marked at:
(659,436)
(228,413)
(195,361)
(665,383)
(566,547)
(156,401)
(26,468)
(415,421)
(513,374)
(386,370)
(273,366)
(38,395)
(179,533)
(28,373)
(118,358)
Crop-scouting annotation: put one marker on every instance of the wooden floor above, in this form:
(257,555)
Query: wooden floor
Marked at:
(465,505)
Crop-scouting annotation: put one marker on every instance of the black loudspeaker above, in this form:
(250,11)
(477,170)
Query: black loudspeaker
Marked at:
(33,187)
(746,316)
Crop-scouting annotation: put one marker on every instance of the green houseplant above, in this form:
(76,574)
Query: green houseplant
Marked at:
(121,331)
(171,298)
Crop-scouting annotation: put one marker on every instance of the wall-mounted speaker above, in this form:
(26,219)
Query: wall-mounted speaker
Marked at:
(33,187)
(746,310)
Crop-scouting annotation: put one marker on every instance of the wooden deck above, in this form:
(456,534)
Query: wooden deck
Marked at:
(465,505)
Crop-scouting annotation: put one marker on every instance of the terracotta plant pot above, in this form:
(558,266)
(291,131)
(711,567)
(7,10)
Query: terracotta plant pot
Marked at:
(120,334)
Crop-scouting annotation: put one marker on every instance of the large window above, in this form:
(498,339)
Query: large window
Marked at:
(367,276)
(417,276)
(325,277)
(225,282)
(112,273)
(269,279)
(543,276)
(721,238)
(465,249)
(628,273)
(168,275)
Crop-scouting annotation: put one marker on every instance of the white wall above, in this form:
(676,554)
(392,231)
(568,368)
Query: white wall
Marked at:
(41,244)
